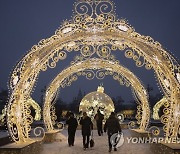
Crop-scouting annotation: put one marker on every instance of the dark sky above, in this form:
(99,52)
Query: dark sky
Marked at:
(25,23)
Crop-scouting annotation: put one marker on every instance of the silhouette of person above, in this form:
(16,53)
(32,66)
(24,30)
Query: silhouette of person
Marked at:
(99,119)
(112,127)
(72,126)
(87,126)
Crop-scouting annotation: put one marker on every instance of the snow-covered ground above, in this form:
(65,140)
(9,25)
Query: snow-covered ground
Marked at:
(101,146)
(3,133)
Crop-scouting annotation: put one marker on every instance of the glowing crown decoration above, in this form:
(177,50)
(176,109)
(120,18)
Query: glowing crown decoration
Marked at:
(100,89)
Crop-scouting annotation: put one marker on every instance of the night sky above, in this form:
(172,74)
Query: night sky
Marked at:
(25,23)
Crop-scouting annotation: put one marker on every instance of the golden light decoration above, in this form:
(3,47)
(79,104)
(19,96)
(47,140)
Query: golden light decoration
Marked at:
(60,126)
(97,100)
(36,107)
(87,68)
(154,131)
(157,106)
(132,125)
(127,113)
(93,30)
(39,132)
(3,115)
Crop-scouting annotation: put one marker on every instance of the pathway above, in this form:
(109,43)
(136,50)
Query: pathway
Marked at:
(101,146)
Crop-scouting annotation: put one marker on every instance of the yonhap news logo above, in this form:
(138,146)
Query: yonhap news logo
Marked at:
(117,140)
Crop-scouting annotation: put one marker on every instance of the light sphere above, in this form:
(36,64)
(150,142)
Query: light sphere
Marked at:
(97,100)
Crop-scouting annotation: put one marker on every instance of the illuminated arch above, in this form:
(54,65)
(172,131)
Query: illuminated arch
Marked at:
(118,72)
(94,29)
(157,106)
(3,115)
(36,107)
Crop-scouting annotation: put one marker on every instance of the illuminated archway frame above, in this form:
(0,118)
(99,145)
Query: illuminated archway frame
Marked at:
(103,67)
(93,29)
(158,105)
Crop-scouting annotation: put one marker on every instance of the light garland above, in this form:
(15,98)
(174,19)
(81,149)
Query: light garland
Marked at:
(87,68)
(157,106)
(3,116)
(92,20)
(37,108)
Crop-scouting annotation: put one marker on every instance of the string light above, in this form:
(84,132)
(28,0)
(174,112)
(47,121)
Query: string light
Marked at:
(103,68)
(142,49)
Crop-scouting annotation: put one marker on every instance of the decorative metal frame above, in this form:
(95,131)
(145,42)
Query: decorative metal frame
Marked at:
(36,107)
(104,68)
(3,115)
(157,106)
(94,29)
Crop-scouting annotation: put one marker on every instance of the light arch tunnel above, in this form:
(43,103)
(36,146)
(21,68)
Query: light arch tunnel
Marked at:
(53,49)
(115,69)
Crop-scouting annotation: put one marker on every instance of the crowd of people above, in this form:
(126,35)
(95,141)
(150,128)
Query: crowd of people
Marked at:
(111,126)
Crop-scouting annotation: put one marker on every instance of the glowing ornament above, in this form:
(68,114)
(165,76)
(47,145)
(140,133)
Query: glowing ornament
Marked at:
(167,83)
(118,43)
(177,111)
(27,84)
(94,29)
(94,39)
(178,77)
(36,61)
(67,30)
(97,100)
(18,114)
(71,44)
(157,60)
(123,28)
(15,80)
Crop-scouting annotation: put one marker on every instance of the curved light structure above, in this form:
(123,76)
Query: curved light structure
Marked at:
(3,115)
(157,106)
(103,67)
(94,30)
(36,107)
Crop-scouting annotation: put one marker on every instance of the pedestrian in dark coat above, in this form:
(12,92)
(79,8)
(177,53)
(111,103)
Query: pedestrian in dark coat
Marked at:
(112,127)
(72,126)
(99,120)
(87,126)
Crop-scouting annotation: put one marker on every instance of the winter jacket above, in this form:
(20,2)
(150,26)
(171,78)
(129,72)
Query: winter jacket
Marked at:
(72,124)
(112,125)
(87,126)
(99,118)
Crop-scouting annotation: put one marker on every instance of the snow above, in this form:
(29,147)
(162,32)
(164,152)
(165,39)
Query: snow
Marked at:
(3,134)
(101,145)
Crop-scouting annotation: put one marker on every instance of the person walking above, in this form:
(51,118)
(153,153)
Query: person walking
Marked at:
(112,127)
(87,126)
(99,119)
(72,126)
